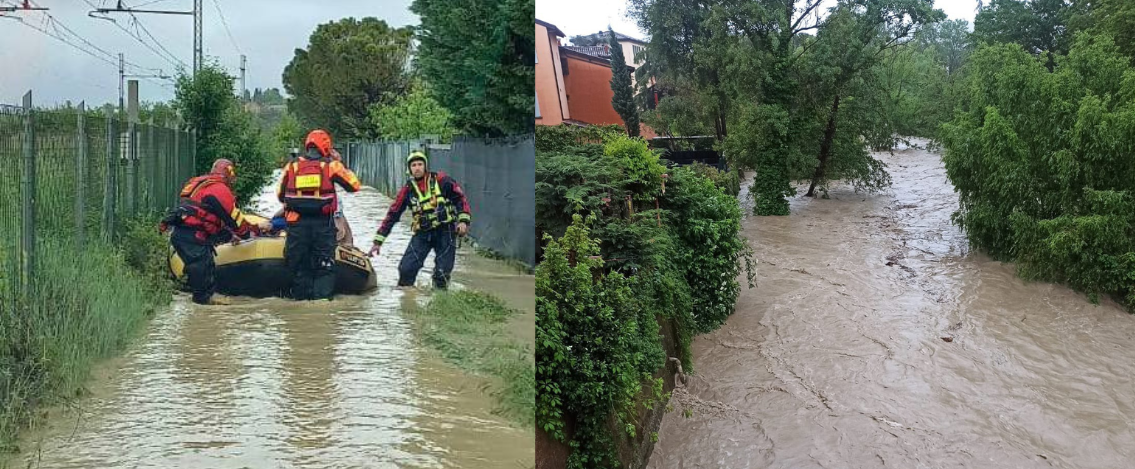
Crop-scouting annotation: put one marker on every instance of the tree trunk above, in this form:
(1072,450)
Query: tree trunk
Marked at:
(825,148)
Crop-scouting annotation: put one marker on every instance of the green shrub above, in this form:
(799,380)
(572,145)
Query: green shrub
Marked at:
(1042,164)
(645,254)
(595,347)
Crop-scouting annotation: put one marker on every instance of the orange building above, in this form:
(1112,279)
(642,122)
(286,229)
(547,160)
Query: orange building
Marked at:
(573,83)
(551,94)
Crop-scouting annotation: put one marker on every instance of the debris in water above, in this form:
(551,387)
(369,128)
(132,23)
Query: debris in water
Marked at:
(948,339)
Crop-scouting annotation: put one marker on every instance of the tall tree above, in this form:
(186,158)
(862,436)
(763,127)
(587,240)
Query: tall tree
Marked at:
(856,37)
(348,66)
(206,102)
(479,57)
(593,39)
(1043,27)
(1117,18)
(623,99)
(413,115)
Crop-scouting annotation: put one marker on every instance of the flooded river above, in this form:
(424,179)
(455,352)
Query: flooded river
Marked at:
(875,338)
(271,383)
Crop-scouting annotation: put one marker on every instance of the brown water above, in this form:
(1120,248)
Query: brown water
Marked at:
(272,383)
(837,359)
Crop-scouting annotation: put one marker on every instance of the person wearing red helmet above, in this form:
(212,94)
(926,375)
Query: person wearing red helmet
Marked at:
(307,191)
(207,215)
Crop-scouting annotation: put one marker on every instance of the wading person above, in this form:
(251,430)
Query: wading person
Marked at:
(441,214)
(307,191)
(207,215)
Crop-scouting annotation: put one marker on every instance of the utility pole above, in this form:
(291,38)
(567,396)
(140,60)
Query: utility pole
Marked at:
(122,76)
(196,13)
(243,90)
(198,45)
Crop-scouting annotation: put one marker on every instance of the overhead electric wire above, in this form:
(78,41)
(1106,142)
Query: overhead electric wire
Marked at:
(138,23)
(61,38)
(171,58)
(58,24)
(224,23)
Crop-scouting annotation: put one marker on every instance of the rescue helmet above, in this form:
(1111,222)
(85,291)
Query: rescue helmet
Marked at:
(417,155)
(225,168)
(320,140)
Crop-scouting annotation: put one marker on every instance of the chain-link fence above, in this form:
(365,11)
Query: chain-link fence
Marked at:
(76,174)
(499,177)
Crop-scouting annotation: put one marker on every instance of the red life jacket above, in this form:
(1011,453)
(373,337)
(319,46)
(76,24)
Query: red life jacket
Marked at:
(309,189)
(192,211)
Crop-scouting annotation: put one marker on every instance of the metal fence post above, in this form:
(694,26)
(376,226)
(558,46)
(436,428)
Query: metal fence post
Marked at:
(152,157)
(193,152)
(27,184)
(176,159)
(81,178)
(111,194)
(131,168)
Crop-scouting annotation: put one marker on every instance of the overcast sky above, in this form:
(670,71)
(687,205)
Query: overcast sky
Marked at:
(267,31)
(576,17)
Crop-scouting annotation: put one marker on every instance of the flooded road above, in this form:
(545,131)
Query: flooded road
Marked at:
(272,383)
(875,338)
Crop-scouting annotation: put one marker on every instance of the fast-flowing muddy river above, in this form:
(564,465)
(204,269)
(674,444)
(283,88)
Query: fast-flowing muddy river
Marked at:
(876,338)
(272,383)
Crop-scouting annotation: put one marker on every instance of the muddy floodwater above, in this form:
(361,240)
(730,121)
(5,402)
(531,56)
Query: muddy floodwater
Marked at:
(271,383)
(877,338)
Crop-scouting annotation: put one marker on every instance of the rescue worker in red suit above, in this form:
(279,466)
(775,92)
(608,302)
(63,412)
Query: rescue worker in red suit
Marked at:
(441,213)
(307,191)
(207,215)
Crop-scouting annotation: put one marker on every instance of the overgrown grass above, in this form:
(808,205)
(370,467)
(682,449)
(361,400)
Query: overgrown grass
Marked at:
(468,329)
(88,303)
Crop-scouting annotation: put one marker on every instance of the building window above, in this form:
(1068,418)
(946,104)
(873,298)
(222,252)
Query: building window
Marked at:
(637,51)
(537,105)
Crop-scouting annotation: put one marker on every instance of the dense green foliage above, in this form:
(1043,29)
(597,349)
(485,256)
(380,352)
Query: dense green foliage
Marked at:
(595,346)
(1042,163)
(348,66)
(659,243)
(224,130)
(593,39)
(786,103)
(623,93)
(479,56)
(412,115)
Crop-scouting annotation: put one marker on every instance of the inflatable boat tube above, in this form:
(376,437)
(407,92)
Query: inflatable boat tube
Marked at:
(256,268)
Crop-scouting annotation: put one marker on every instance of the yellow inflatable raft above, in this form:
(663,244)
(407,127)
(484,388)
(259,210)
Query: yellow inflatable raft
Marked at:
(255,267)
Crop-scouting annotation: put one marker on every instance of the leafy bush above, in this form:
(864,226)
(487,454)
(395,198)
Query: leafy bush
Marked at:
(706,221)
(595,346)
(224,129)
(564,136)
(645,253)
(1042,164)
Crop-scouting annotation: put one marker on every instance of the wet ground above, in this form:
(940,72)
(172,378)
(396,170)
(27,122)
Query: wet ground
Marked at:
(875,338)
(271,383)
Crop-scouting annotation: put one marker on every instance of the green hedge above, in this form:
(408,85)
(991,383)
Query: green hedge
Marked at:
(657,242)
